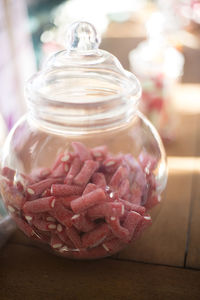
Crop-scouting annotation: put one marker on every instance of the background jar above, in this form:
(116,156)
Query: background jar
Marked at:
(159,66)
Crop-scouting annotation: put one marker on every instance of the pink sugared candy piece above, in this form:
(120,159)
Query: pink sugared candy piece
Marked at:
(88,200)
(99,179)
(73,170)
(81,151)
(86,172)
(65,190)
(40,186)
(131,221)
(62,214)
(82,223)
(99,153)
(39,205)
(95,237)
(90,187)
(106,210)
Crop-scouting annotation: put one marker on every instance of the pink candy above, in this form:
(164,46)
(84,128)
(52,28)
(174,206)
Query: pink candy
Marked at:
(99,153)
(82,223)
(118,231)
(86,172)
(89,204)
(8,173)
(13,196)
(96,236)
(26,228)
(56,242)
(89,188)
(73,171)
(65,190)
(39,205)
(99,180)
(88,200)
(39,187)
(62,214)
(118,177)
(131,221)
(43,225)
(81,151)
(73,235)
(107,209)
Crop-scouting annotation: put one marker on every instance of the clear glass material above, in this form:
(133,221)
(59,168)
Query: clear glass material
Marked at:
(7,226)
(3,133)
(159,67)
(82,169)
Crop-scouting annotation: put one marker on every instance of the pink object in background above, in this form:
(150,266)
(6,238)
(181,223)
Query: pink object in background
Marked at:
(159,66)
(17,62)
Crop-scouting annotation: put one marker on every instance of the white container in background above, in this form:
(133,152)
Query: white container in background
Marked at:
(158,66)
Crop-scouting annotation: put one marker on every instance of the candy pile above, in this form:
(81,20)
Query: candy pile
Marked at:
(90,204)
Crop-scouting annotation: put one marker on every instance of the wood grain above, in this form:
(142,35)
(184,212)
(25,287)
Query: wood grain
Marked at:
(186,131)
(165,241)
(28,273)
(193,255)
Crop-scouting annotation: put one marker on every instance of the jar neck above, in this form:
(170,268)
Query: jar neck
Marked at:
(80,99)
(81,118)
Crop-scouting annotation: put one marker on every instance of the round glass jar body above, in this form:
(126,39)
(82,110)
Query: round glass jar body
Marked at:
(82,169)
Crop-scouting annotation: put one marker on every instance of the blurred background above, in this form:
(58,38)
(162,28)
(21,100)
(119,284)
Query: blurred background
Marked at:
(157,40)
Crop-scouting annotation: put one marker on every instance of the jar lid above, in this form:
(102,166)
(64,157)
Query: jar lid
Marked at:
(83,72)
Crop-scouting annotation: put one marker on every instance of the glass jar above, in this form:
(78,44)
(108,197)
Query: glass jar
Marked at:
(159,66)
(82,169)
(3,133)
(7,226)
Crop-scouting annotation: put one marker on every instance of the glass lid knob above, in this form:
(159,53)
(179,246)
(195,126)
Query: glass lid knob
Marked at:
(82,36)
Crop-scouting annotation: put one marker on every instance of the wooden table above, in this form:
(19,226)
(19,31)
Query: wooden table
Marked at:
(163,264)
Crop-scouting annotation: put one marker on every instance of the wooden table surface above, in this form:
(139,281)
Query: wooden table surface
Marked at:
(164,263)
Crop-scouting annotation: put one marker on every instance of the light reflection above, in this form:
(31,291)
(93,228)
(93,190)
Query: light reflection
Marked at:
(187,39)
(186,98)
(189,164)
